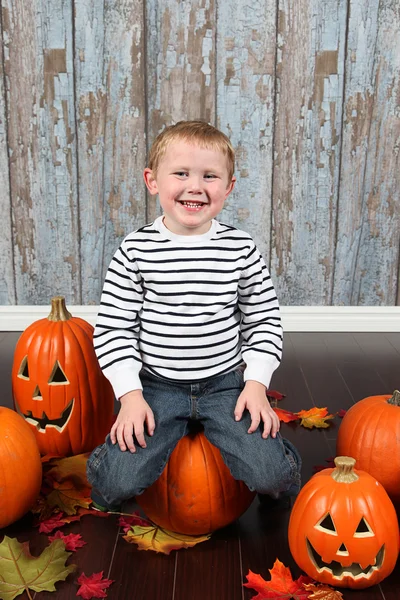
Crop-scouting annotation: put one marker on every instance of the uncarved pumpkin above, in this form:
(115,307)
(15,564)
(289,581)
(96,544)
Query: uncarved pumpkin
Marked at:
(343,529)
(195,493)
(370,432)
(20,467)
(58,385)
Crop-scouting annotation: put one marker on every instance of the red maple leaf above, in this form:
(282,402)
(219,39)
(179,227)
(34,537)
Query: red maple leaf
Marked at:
(72,541)
(285,415)
(128,521)
(47,525)
(93,586)
(280,587)
(275,395)
(342,412)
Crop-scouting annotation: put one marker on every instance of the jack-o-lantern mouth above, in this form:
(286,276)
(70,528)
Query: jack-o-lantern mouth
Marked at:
(338,571)
(44,421)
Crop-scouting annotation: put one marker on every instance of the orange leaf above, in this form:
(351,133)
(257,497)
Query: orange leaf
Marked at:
(281,585)
(285,415)
(81,512)
(315,417)
(322,592)
(66,497)
(72,468)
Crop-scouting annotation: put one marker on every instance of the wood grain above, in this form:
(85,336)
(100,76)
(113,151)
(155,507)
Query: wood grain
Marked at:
(7,283)
(308,92)
(311,45)
(180,66)
(124,146)
(246,56)
(42,148)
(367,250)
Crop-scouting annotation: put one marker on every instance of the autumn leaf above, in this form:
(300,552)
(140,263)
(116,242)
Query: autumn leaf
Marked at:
(66,497)
(43,509)
(48,457)
(72,541)
(81,512)
(48,525)
(285,415)
(315,417)
(322,592)
(329,465)
(93,586)
(126,522)
(72,468)
(21,572)
(160,540)
(274,395)
(281,585)
(342,412)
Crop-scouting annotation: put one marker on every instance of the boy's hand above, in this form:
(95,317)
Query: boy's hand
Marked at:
(133,414)
(254,398)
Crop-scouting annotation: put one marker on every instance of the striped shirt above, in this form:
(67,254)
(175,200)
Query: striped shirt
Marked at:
(187,308)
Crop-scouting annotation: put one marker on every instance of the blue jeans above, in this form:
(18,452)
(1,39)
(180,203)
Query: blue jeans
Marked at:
(269,466)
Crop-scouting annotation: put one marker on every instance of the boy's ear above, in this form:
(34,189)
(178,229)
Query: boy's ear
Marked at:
(230,187)
(150,181)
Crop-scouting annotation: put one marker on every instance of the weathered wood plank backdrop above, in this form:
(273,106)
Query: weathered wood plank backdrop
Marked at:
(308,91)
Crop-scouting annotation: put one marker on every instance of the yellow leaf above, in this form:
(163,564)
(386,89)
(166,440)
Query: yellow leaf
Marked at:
(322,592)
(66,497)
(21,572)
(160,540)
(72,467)
(315,417)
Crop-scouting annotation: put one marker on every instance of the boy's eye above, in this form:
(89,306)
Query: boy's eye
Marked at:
(180,173)
(209,176)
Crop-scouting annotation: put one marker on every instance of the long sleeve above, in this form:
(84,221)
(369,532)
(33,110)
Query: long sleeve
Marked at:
(261,327)
(116,335)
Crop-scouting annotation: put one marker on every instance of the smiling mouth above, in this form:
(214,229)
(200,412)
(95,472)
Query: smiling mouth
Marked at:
(337,570)
(44,421)
(192,203)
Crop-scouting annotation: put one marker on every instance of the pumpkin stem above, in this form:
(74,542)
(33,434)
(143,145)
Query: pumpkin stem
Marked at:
(344,472)
(59,311)
(395,399)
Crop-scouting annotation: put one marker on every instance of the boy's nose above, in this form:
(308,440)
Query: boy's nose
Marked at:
(194,185)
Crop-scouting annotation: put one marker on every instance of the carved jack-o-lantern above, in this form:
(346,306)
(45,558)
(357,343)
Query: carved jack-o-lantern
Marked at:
(343,529)
(58,386)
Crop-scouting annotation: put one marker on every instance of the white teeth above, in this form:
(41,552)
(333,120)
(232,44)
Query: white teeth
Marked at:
(192,204)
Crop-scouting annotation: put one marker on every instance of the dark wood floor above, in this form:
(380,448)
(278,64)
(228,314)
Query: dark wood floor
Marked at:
(324,369)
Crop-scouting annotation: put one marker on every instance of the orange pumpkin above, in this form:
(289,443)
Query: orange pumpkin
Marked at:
(343,529)
(370,431)
(195,493)
(20,467)
(58,386)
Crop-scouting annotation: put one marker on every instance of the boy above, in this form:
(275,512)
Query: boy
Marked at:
(187,302)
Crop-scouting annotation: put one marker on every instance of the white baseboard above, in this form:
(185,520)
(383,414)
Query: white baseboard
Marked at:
(294,318)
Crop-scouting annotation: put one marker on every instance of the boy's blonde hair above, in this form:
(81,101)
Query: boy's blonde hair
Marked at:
(193,132)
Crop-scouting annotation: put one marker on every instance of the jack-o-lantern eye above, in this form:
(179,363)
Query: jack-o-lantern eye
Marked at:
(363,529)
(23,372)
(58,376)
(326,525)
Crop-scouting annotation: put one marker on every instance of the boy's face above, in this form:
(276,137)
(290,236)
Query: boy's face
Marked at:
(192,184)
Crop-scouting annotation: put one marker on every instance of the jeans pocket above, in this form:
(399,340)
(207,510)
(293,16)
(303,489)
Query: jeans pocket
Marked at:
(94,459)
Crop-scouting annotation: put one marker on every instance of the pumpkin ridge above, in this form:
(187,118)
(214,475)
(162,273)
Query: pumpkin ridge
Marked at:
(217,470)
(373,418)
(210,510)
(82,381)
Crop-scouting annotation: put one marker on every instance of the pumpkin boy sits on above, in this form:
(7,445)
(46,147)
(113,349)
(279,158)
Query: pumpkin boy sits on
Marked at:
(189,328)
